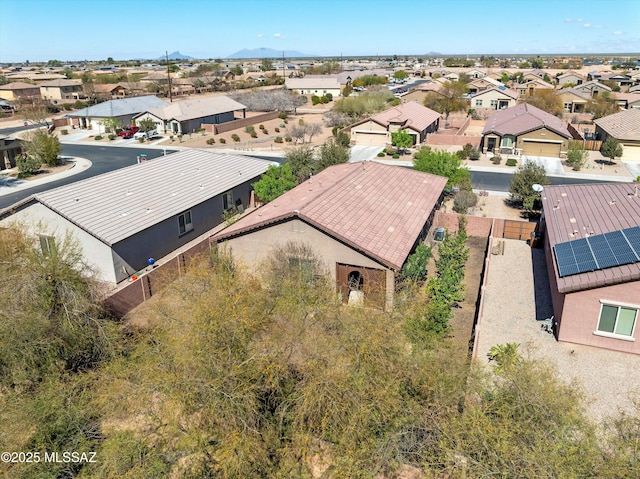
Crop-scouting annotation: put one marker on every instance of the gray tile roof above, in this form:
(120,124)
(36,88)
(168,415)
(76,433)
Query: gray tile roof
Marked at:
(377,209)
(198,108)
(624,125)
(116,205)
(122,107)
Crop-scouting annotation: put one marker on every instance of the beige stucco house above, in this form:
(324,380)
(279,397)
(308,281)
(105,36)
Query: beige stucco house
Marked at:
(61,90)
(592,247)
(318,85)
(494,99)
(525,130)
(16,91)
(573,101)
(624,126)
(362,220)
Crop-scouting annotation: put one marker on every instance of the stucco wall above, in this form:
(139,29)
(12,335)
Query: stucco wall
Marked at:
(581,313)
(41,220)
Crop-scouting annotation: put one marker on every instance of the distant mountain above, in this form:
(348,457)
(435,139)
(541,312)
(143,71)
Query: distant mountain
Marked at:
(175,56)
(267,53)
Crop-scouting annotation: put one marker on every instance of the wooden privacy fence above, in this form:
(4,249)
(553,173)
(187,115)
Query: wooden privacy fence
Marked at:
(520,230)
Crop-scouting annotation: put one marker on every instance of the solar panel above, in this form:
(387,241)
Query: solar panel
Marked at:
(616,248)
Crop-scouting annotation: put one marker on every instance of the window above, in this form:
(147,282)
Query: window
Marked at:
(227,200)
(478,102)
(48,245)
(494,104)
(617,321)
(507,142)
(184,223)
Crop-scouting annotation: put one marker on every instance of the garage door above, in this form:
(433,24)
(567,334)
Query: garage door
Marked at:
(538,148)
(370,139)
(630,153)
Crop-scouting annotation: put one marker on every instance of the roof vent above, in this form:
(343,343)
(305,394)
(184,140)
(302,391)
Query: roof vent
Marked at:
(612,202)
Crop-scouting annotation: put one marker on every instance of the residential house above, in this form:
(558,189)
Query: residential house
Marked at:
(530,87)
(110,91)
(318,85)
(593,88)
(626,100)
(569,78)
(362,220)
(475,73)
(122,110)
(188,116)
(124,217)
(526,130)
(573,100)
(64,90)
(420,92)
(10,147)
(592,247)
(415,119)
(619,79)
(16,91)
(624,126)
(482,84)
(535,74)
(497,98)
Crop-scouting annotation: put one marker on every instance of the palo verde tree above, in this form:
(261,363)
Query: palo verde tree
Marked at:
(547,100)
(521,187)
(146,124)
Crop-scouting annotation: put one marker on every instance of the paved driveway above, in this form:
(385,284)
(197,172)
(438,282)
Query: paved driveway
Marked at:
(553,166)
(363,153)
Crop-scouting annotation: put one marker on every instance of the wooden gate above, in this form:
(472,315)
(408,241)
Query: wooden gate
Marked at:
(520,230)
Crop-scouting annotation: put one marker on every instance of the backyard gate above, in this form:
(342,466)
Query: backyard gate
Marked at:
(520,230)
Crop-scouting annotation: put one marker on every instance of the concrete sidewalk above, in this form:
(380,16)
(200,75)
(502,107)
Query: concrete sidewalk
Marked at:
(9,185)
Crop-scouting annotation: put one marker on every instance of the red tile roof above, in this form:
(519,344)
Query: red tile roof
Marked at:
(521,119)
(411,115)
(377,209)
(572,212)
(624,125)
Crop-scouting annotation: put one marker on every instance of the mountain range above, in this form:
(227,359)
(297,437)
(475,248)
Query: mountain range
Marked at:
(175,56)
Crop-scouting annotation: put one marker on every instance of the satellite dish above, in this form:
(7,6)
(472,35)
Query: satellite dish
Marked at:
(537,188)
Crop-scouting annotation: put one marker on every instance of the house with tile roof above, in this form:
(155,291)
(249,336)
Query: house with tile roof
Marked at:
(527,130)
(148,210)
(573,100)
(16,91)
(593,88)
(624,126)
(318,85)
(123,110)
(483,83)
(497,98)
(570,78)
(188,116)
(592,250)
(62,90)
(362,220)
(415,119)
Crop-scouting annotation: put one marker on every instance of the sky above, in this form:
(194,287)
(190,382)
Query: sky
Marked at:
(71,30)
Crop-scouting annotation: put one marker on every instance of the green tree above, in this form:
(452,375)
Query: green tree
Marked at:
(400,75)
(611,148)
(28,164)
(537,62)
(369,80)
(547,100)
(448,99)
(521,187)
(504,78)
(274,182)
(236,70)
(266,65)
(146,124)
(331,153)
(577,155)
(44,147)
(602,105)
(301,162)
(401,139)
(442,163)
(415,267)
(111,124)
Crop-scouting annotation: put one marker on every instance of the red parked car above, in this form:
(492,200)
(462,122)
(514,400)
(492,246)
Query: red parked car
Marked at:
(129,131)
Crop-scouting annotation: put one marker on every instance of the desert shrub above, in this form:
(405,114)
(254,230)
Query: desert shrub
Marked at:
(315,99)
(27,164)
(98,137)
(250,129)
(381,153)
(496,159)
(261,127)
(67,106)
(286,122)
(222,140)
(395,156)
(474,154)
(329,96)
(265,131)
(112,136)
(211,141)
(278,139)
(638,179)
(511,162)
(463,200)
(282,116)
(465,152)
(389,151)
(276,129)
(287,139)
(254,135)
(235,137)
(80,104)
(64,131)
(577,155)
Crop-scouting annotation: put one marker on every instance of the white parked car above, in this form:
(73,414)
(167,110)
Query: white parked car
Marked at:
(145,134)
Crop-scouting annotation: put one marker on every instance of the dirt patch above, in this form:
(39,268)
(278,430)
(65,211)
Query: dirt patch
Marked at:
(464,316)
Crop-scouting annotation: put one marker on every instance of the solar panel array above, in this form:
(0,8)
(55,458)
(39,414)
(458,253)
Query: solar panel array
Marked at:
(598,252)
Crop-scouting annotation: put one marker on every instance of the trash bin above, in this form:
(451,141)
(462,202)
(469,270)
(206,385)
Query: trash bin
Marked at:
(438,235)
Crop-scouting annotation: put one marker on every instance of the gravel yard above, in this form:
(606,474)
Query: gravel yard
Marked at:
(610,380)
